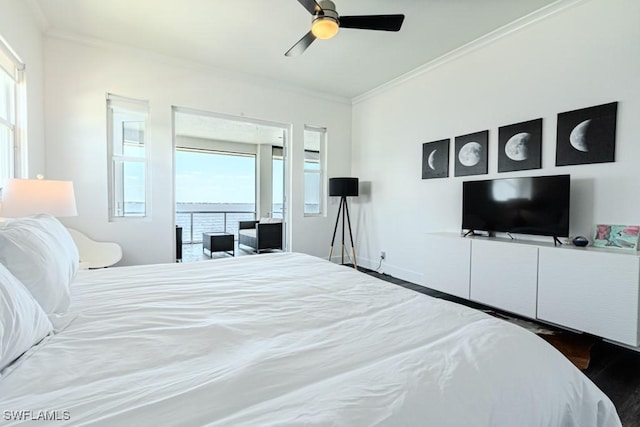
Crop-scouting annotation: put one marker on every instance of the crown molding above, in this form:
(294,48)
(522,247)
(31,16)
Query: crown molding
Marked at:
(41,18)
(195,65)
(504,31)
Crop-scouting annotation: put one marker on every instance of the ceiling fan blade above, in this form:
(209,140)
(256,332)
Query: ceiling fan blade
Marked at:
(373,22)
(302,45)
(311,6)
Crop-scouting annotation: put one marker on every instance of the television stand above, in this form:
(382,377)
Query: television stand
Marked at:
(561,285)
(556,241)
(469,233)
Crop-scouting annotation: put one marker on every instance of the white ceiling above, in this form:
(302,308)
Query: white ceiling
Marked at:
(209,126)
(251,36)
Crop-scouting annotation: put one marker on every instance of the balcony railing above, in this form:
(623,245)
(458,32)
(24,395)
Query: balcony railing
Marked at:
(194,223)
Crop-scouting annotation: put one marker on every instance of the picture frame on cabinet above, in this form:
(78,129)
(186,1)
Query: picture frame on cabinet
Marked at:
(587,135)
(471,154)
(435,159)
(617,236)
(520,146)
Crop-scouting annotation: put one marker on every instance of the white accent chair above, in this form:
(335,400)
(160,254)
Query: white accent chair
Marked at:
(95,254)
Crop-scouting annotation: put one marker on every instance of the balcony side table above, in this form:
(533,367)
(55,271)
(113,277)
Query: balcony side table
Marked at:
(218,242)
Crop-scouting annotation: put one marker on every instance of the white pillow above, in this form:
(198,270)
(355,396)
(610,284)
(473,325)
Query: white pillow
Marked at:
(23,321)
(50,224)
(40,253)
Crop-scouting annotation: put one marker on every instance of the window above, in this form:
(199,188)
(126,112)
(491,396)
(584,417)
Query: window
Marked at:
(128,171)
(314,141)
(12,116)
(215,190)
(277,183)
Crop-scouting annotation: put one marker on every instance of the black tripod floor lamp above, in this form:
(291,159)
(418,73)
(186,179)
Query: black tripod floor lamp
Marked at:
(343,188)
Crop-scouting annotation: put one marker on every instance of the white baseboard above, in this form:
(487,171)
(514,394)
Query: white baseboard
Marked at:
(392,270)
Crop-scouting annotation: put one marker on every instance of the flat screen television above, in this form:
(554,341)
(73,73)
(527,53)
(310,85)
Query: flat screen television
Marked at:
(536,205)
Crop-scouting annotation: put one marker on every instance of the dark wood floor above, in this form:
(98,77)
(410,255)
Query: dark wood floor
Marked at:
(615,370)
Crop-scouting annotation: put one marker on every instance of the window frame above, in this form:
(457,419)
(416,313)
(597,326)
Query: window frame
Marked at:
(14,122)
(135,110)
(320,171)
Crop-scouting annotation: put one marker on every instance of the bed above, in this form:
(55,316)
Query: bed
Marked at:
(288,339)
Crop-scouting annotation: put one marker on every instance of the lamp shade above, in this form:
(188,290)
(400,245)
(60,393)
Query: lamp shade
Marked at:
(23,197)
(343,187)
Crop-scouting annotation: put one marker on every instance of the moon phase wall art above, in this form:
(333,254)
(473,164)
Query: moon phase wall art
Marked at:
(520,146)
(587,135)
(435,159)
(471,154)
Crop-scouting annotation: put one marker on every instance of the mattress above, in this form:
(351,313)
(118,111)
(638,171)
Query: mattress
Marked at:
(288,339)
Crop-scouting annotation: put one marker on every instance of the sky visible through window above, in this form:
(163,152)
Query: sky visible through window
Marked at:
(214,178)
(217,178)
(210,178)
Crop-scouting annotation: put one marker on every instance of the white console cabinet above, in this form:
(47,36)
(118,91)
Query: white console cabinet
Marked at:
(505,275)
(447,265)
(590,291)
(585,289)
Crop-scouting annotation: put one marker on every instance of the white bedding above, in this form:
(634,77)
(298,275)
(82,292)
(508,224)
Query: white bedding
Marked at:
(289,339)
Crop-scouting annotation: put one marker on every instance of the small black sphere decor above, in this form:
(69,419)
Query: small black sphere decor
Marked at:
(580,241)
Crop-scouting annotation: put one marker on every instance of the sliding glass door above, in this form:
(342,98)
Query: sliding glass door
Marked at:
(227,170)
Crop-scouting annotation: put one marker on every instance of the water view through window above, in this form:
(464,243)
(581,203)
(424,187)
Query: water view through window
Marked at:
(214,191)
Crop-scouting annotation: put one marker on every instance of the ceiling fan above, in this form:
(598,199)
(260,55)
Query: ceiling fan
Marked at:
(326,21)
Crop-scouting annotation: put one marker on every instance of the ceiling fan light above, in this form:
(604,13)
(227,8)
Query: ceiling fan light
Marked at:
(324,28)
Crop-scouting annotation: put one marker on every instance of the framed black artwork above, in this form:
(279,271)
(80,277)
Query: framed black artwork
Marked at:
(520,146)
(471,153)
(435,159)
(587,135)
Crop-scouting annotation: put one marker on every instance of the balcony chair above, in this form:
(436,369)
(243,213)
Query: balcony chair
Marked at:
(261,235)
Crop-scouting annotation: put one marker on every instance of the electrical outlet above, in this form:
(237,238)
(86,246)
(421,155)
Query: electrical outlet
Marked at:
(383,254)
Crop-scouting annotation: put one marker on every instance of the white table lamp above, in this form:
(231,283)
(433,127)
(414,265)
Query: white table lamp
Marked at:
(23,197)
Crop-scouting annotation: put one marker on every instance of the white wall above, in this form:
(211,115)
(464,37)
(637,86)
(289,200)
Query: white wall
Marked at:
(585,55)
(20,30)
(265,181)
(77,76)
